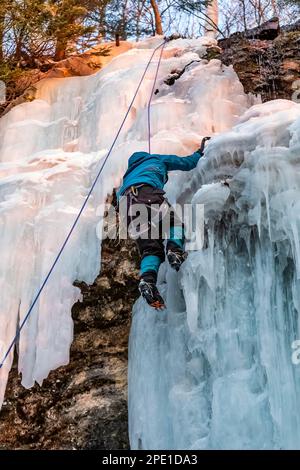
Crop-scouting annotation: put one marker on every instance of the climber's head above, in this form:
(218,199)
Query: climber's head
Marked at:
(138,157)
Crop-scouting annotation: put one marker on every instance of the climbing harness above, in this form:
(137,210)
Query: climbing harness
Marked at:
(135,189)
(19,329)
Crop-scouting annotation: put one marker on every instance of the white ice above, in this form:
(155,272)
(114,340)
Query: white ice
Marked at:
(215,370)
(50,152)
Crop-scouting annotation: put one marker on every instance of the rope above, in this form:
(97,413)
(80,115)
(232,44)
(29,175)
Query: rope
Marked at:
(151,96)
(19,329)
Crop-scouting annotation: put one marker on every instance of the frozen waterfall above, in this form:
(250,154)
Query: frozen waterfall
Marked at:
(215,370)
(50,151)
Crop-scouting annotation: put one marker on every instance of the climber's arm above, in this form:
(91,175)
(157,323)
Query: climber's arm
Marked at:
(173,162)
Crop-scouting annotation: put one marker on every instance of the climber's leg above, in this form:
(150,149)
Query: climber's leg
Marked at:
(151,250)
(152,255)
(150,263)
(149,291)
(175,244)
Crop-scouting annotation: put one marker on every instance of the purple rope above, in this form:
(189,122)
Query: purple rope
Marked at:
(19,329)
(151,96)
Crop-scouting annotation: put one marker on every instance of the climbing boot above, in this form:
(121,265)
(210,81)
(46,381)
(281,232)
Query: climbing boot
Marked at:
(176,257)
(149,291)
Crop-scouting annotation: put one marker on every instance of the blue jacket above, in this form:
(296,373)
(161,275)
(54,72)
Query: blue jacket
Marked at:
(153,169)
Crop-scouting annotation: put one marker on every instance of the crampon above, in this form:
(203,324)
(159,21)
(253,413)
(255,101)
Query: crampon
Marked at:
(176,258)
(149,291)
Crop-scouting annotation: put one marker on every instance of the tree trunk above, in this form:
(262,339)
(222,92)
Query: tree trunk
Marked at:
(139,12)
(2,29)
(244,16)
(102,17)
(158,22)
(123,23)
(18,50)
(258,11)
(211,26)
(1,41)
(275,8)
(60,50)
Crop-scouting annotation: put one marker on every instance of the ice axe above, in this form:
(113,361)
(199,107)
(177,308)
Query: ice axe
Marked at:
(202,147)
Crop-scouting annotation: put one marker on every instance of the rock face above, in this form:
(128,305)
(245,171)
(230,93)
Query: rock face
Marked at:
(267,67)
(268,30)
(83,405)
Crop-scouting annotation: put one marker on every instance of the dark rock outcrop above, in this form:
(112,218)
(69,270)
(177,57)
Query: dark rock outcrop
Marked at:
(268,30)
(270,68)
(82,405)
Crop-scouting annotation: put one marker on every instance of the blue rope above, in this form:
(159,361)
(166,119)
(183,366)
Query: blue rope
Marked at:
(79,213)
(151,96)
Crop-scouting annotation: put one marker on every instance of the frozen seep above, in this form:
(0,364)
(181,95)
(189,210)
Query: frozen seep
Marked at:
(215,370)
(50,151)
(218,373)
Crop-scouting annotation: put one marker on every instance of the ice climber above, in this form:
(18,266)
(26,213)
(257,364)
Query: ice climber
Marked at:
(143,184)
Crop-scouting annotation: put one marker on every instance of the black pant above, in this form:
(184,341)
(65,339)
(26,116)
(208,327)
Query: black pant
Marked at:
(149,197)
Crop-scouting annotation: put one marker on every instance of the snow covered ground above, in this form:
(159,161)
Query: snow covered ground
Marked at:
(214,370)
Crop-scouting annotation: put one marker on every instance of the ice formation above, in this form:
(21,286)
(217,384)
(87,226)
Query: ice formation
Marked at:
(215,370)
(50,151)
(219,363)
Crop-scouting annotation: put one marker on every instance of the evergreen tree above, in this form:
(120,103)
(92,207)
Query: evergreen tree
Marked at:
(66,24)
(3,13)
(25,20)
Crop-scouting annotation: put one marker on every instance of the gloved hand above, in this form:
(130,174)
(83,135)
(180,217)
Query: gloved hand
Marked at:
(202,147)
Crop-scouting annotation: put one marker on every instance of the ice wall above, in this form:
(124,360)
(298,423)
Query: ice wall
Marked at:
(215,370)
(50,151)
